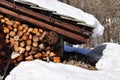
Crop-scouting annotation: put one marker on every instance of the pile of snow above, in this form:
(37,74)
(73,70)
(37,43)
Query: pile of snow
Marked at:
(110,59)
(65,9)
(108,65)
(40,70)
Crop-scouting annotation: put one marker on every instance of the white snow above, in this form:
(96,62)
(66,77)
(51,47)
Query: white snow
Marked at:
(65,9)
(108,65)
(111,58)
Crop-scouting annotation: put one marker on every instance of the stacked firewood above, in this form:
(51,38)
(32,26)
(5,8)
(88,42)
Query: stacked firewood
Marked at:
(29,42)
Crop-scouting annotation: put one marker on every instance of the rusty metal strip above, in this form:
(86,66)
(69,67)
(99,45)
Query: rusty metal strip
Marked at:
(72,36)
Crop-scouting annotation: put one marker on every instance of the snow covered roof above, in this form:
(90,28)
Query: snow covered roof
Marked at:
(67,12)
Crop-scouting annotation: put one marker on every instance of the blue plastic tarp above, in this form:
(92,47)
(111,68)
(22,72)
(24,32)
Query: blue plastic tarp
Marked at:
(70,49)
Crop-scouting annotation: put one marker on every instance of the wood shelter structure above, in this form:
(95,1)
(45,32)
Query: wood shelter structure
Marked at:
(72,30)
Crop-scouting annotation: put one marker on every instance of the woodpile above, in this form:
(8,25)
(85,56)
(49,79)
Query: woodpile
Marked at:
(28,42)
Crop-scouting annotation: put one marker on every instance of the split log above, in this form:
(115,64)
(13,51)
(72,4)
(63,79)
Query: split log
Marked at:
(12,33)
(56,59)
(35,30)
(26,53)
(10,27)
(52,54)
(6,30)
(20,58)
(29,42)
(20,27)
(28,48)
(38,55)
(2,20)
(25,26)
(16,48)
(29,58)
(20,33)
(22,44)
(35,38)
(35,44)
(15,29)
(30,29)
(16,38)
(43,35)
(25,37)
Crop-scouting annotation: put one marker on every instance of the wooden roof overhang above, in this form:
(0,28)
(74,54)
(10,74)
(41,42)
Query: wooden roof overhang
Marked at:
(72,30)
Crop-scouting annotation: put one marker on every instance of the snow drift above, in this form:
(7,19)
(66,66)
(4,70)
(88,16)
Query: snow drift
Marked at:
(108,68)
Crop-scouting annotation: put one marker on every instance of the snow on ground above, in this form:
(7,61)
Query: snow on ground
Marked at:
(108,65)
(65,9)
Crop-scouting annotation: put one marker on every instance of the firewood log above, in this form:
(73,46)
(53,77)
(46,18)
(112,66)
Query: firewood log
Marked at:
(20,27)
(35,38)
(7,41)
(35,44)
(37,55)
(41,30)
(15,29)
(6,30)
(28,48)
(43,35)
(7,36)
(16,38)
(30,36)
(17,23)
(52,54)
(20,33)
(56,59)
(14,55)
(20,58)
(1,16)
(16,43)
(25,26)
(33,50)
(30,29)
(21,50)
(47,52)
(24,30)
(38,34)
(27,33)
(42,46)
(26,53)
(6,19)
(9,27)
(35,30)
(22,44)
(9,23)
(16,48)
(29,58)
(12,40)
(25,37)
(12,33)
(29,42)
(2,20)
